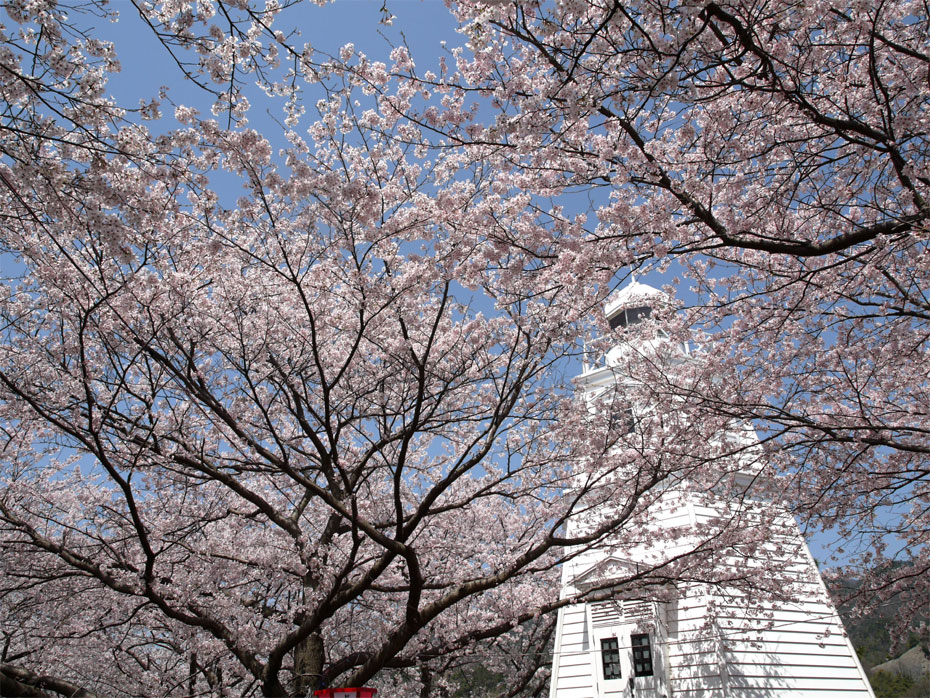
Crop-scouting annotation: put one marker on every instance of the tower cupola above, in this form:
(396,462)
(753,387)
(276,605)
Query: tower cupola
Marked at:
(632,304)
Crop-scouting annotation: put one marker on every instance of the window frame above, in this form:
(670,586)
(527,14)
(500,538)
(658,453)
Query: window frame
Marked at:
(643,655)
(614,664)
(630,316)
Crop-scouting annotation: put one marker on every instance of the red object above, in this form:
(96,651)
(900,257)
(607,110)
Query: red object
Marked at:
(362,692)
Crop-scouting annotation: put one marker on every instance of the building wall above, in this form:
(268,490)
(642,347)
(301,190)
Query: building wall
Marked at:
(710,641)
(715,642)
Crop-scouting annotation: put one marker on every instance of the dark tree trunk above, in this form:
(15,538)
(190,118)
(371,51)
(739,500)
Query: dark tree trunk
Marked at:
(308,666)
(426,681)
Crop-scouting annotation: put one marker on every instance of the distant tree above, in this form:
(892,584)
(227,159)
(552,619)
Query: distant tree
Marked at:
(890,685)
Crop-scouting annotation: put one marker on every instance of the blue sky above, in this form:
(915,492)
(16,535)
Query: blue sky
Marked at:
(423,24)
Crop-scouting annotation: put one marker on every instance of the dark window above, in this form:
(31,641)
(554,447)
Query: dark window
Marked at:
(642,655)
(622,421)
(629,316)
(629,420)
(610,656)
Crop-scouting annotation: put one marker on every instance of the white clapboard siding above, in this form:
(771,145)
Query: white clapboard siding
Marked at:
(574,681)
(586,692)
(571,669)
(763,649)
(748,649)
(707,642)
(837,684)
(783,651)
(772,669)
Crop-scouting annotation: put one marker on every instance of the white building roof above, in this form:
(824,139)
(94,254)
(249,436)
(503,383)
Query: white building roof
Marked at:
(634,294)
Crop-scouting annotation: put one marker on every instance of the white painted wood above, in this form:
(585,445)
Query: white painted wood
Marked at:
(707,643)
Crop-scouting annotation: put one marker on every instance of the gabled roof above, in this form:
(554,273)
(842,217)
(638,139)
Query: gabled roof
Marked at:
(604,571)
(634,294)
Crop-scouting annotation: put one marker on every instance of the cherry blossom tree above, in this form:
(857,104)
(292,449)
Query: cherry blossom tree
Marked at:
(326,431)
(322,432)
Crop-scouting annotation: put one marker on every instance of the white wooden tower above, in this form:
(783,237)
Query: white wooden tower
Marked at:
(698,641)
